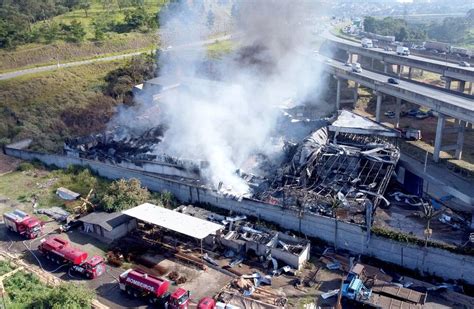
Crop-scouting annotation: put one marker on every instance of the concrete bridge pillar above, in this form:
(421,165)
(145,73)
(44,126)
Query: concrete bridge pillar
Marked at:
(447,82)
(356,92)
(379,106)
(385,68)
(398,107)
(439,137)
(410,71)
(399,70)
(338,94)
(460,140)
(461,86)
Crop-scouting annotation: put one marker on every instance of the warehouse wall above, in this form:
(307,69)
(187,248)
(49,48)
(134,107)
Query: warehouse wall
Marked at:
(342,234)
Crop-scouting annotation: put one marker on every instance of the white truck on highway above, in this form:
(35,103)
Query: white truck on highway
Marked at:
(367,43)
(402,50)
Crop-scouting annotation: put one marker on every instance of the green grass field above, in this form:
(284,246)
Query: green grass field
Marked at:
(36,54)
(219,48)
(97,11)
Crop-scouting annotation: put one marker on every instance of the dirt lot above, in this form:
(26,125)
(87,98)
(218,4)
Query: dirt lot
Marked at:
(7,164)
(366,107)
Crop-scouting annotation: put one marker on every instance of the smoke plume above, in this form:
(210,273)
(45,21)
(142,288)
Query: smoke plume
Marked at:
(227,120)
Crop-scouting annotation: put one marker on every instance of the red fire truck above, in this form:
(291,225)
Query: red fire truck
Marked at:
(137,283)
(23,224)
(60,251)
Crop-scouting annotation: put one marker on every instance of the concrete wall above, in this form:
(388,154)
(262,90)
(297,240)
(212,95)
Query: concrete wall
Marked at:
(342,234)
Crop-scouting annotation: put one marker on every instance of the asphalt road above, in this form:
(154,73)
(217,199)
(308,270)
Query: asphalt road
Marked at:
(105,286)
(180,47)
(467,70)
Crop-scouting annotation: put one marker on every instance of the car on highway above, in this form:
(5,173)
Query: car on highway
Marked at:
(356,68)
(386,48)
(392,80)
(464,64)
(347,64)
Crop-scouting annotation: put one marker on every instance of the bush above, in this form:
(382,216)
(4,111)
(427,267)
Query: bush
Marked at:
(25,166)
(26,291)
(124,194)
(5,267)
(409,239)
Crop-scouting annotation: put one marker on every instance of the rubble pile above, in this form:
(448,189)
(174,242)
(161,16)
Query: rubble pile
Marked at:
(115,146)
(327,172)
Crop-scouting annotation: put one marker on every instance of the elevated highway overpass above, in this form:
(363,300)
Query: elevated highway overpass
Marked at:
(445,103)
(450,71)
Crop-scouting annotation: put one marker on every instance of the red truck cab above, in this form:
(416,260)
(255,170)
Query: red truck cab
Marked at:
(206,303)
(92,268)
(179,299)
(23,224)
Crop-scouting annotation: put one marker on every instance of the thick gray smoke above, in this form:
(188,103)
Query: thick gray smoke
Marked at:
(226,121)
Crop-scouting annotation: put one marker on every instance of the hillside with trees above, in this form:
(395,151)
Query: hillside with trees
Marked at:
(454,30)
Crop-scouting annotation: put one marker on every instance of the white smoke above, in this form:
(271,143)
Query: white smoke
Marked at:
(225,122)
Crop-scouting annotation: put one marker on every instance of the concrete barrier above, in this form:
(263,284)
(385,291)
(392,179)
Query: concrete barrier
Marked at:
(342,235)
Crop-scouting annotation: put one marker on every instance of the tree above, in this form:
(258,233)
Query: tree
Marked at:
(210,19)
(401,35)
(136,18)
(84,5)
(124,194)
(50,32)
(74,32)
(370,24)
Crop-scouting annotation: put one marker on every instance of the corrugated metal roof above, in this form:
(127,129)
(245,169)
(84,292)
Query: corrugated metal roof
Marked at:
(349,122)
(108,221)
(172,220)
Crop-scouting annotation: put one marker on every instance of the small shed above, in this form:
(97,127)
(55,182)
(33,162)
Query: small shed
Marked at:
(108,226)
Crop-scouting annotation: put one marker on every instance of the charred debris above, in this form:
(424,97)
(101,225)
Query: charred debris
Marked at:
(340,169)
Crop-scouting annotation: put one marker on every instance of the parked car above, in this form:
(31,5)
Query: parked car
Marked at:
(390,114)
(422,115)
(392,80)
(464,64)
(413,112)
(70,226)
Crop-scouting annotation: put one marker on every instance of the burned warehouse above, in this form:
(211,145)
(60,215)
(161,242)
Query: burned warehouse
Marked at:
(337,166)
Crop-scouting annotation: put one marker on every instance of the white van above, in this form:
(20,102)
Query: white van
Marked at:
(356,68)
